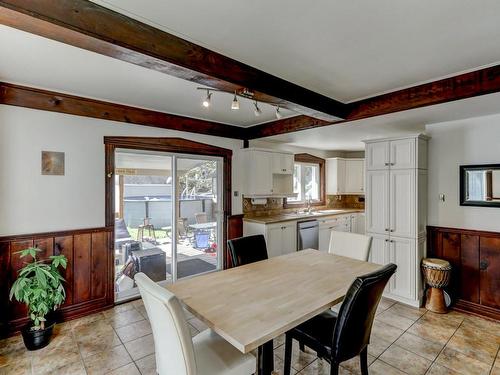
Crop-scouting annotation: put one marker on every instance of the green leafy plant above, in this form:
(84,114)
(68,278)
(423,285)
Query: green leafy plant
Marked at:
(39,286)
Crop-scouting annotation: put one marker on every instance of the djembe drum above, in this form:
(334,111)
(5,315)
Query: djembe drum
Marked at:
(437,274)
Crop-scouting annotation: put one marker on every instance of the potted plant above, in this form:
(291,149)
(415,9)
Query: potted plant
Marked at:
(39,286)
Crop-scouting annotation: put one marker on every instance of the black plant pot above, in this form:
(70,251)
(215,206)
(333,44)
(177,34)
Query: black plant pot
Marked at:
(34,340)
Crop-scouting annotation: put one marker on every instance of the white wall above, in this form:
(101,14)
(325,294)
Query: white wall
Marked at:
(32,203)
(471,141)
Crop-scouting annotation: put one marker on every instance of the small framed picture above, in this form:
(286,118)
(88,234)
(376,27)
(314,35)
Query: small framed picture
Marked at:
(52,163)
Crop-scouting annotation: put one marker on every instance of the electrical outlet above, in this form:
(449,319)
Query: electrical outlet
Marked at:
(236,193)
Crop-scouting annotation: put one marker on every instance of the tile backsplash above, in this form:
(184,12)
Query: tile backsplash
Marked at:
(275,206)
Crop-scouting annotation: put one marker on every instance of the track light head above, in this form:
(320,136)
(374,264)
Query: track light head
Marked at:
(278,113)
(257,110)
(206,101)
(235,105)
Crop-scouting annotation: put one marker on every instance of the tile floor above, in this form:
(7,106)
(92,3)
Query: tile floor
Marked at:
(404,341)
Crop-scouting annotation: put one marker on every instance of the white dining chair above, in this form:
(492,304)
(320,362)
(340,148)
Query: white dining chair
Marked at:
(351,245)
(176,353)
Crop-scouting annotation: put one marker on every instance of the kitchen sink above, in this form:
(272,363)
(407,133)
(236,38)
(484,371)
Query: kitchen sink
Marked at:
(329,211)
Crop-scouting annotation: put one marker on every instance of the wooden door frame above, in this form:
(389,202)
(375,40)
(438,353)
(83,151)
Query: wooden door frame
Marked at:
(170,145)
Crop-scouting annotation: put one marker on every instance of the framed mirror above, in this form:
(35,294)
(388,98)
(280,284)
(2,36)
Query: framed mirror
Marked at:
(480,185)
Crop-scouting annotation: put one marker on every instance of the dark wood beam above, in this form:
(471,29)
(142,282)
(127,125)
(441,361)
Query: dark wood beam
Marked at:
(463,86)
(92,27)
(28,97)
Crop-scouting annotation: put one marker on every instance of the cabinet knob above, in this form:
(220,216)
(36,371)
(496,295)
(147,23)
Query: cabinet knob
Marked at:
(392,230)
(387,229)
(386,240)
(391,241)
(483,264)
(386,164)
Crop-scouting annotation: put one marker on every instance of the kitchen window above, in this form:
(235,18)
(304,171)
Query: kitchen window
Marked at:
(308,180)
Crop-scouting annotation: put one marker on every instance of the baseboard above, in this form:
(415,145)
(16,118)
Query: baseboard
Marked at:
(477,309)
(406,301)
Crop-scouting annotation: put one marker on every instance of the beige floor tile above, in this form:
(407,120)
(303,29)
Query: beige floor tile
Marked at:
(278,341)
(137,303)
(133,331)
(22,367)
(129,369)
(86,320)
(405,360)
(474,347)
(395,320)
(490,326)
(17,355)
(409,312)
(147,365)
(495,370)
(418,345)
(441,370)
(73,368)
(123,318)
(142,311)
(381,368)
(353,365)
(11,344)
(279,365)
(119,309)
(377,345)
(140,347)
(299,359)
(104,362)
(102,339)
(461,363)
(386,331)
(452,319)
(61,352)
(432,331)
(322,367)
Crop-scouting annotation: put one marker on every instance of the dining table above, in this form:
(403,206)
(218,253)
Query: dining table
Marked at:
(252,304)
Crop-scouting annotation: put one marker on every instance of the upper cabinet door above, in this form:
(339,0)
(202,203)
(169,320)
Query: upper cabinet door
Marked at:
(354,176)
(403,154)
(282,163)
(402,203)
(335,176)
(259,175)
(377,201)
(377,155)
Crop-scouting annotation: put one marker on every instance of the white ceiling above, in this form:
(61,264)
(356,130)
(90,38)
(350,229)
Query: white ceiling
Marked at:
(35,61)
(343,49)
(349,136)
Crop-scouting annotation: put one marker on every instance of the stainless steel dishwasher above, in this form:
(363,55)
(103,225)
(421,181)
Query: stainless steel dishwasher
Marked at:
(307,235)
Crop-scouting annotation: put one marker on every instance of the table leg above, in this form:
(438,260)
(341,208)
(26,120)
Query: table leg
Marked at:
(265,359)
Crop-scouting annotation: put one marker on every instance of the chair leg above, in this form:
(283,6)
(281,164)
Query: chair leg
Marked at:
(288,355)
(334,368)
(363,361)
(302,347)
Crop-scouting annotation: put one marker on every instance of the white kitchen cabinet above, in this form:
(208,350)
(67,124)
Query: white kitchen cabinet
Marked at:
(354,176)
(267,173)
(344,176)
(281,238)
(358,223)
(377,201)
(339,223)
(335,176)
(402,254)
(282,163)
(377,155)
(396,199)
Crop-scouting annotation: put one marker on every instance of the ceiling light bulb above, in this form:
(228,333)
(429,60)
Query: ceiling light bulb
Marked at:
(278,113)
(235,104)
(256,110)
(206,101)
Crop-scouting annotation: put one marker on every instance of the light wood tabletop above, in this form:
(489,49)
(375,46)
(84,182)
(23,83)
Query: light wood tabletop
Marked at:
(252,304)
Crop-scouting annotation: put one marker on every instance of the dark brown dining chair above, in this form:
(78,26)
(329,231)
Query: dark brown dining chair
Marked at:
(249,249)
(338,338)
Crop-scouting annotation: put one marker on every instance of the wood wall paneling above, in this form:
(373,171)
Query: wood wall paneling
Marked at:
(469,260)
(475,257)
(490,271)
(64,246)
(81,267)
(99,265)
(4,284)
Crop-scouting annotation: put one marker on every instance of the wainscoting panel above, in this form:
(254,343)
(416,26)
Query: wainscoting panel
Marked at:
(89,282)
(475,258)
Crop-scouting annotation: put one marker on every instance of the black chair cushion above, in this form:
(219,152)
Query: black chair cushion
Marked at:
(317,332)
(249,249)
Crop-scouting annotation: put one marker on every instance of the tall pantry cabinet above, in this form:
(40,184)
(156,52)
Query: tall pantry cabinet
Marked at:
(396,200)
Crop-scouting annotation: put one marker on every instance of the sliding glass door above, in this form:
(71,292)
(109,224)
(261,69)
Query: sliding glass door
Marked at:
(168,217)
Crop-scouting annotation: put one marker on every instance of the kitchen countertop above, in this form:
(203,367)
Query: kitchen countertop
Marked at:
(297,216)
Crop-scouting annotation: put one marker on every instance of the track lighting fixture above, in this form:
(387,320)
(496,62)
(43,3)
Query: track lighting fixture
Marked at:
(206,101)
(278,113)
(256,110)
(235,104)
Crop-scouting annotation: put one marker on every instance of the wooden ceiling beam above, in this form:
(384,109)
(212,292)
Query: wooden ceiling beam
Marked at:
(34,98)
(92,27)
(462,86)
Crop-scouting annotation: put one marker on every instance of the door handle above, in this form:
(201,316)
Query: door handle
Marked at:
(483,264)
